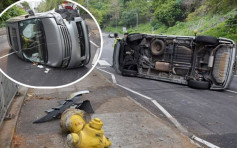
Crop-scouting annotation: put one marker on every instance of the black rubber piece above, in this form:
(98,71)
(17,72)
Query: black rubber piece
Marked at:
(86,106)
(134,37)
(157,47)
(207,40)
(199,84)
(130,73)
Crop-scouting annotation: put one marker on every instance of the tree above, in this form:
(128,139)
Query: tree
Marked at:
(41,7)
(168,12)
(142,7)
(4,4)
(128,18)
(12,12)
(25,5)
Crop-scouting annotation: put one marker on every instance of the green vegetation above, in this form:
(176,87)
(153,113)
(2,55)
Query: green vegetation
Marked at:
(12,12)
(168,12)
(48,5)
(4,4)
(181,17)
(172,17)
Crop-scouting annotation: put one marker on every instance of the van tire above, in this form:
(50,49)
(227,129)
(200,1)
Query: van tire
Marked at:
(198,84)
(130,73)
(206,40)
(157,47)
(134,37)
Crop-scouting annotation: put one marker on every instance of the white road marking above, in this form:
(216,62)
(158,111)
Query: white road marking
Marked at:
(94,44)
(101,67)
(7,55)
(204,142)
(163,110)
(103,63)
(231,91)
(235,75)
(112,75)
(96,56)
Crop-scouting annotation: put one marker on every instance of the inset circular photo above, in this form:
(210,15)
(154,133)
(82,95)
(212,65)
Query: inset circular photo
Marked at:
(46,44)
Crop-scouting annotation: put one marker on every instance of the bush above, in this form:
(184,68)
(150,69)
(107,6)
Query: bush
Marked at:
(12,12)
(168,12)
(156,24)
(128,18)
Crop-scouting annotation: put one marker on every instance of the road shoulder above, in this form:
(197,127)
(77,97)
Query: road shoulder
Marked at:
(126,123)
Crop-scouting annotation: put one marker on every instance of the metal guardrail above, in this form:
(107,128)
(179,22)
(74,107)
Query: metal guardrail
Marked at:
(8,90)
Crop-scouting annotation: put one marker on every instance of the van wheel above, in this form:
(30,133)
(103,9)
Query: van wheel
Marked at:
(130,73)
(207,40)
(157,47)
(198,84)
(134,37)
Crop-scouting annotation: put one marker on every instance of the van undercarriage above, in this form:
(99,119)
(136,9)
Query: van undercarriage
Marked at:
(200,62)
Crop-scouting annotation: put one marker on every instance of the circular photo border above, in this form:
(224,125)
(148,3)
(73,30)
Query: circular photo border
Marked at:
(61,86)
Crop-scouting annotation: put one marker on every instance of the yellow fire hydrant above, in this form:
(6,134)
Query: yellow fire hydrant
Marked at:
(72,120)
(91,136)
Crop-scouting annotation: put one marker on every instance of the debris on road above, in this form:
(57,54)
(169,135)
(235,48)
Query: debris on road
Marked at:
(72,100)
(40,66)
(29,95)
(9,117)
(46,70)
(125,122)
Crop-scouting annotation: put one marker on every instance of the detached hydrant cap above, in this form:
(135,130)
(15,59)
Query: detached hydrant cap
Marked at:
(96,123)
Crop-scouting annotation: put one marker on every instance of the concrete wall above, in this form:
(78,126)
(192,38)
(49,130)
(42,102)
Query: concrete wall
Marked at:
(8,90)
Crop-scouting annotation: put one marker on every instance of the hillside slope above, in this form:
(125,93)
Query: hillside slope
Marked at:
(218,20)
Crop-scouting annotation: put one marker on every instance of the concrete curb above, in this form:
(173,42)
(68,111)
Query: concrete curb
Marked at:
(8,127)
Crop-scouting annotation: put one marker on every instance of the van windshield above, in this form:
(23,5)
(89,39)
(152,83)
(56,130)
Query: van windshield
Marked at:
(32,40)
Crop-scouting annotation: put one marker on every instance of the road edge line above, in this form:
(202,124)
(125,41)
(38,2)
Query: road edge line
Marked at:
(166,113)
(231,91)
(94,44)
(204,142)
(7,55)
(160,107)
(96,56)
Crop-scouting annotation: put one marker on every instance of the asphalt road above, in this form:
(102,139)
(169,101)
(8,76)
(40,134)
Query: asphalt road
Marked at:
(210,115)
(29,74)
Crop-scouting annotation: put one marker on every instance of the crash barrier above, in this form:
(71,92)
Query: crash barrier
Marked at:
(3,31)
(8,89)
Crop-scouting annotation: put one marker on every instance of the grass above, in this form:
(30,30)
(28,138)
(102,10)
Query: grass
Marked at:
(142,28)
(212,25)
